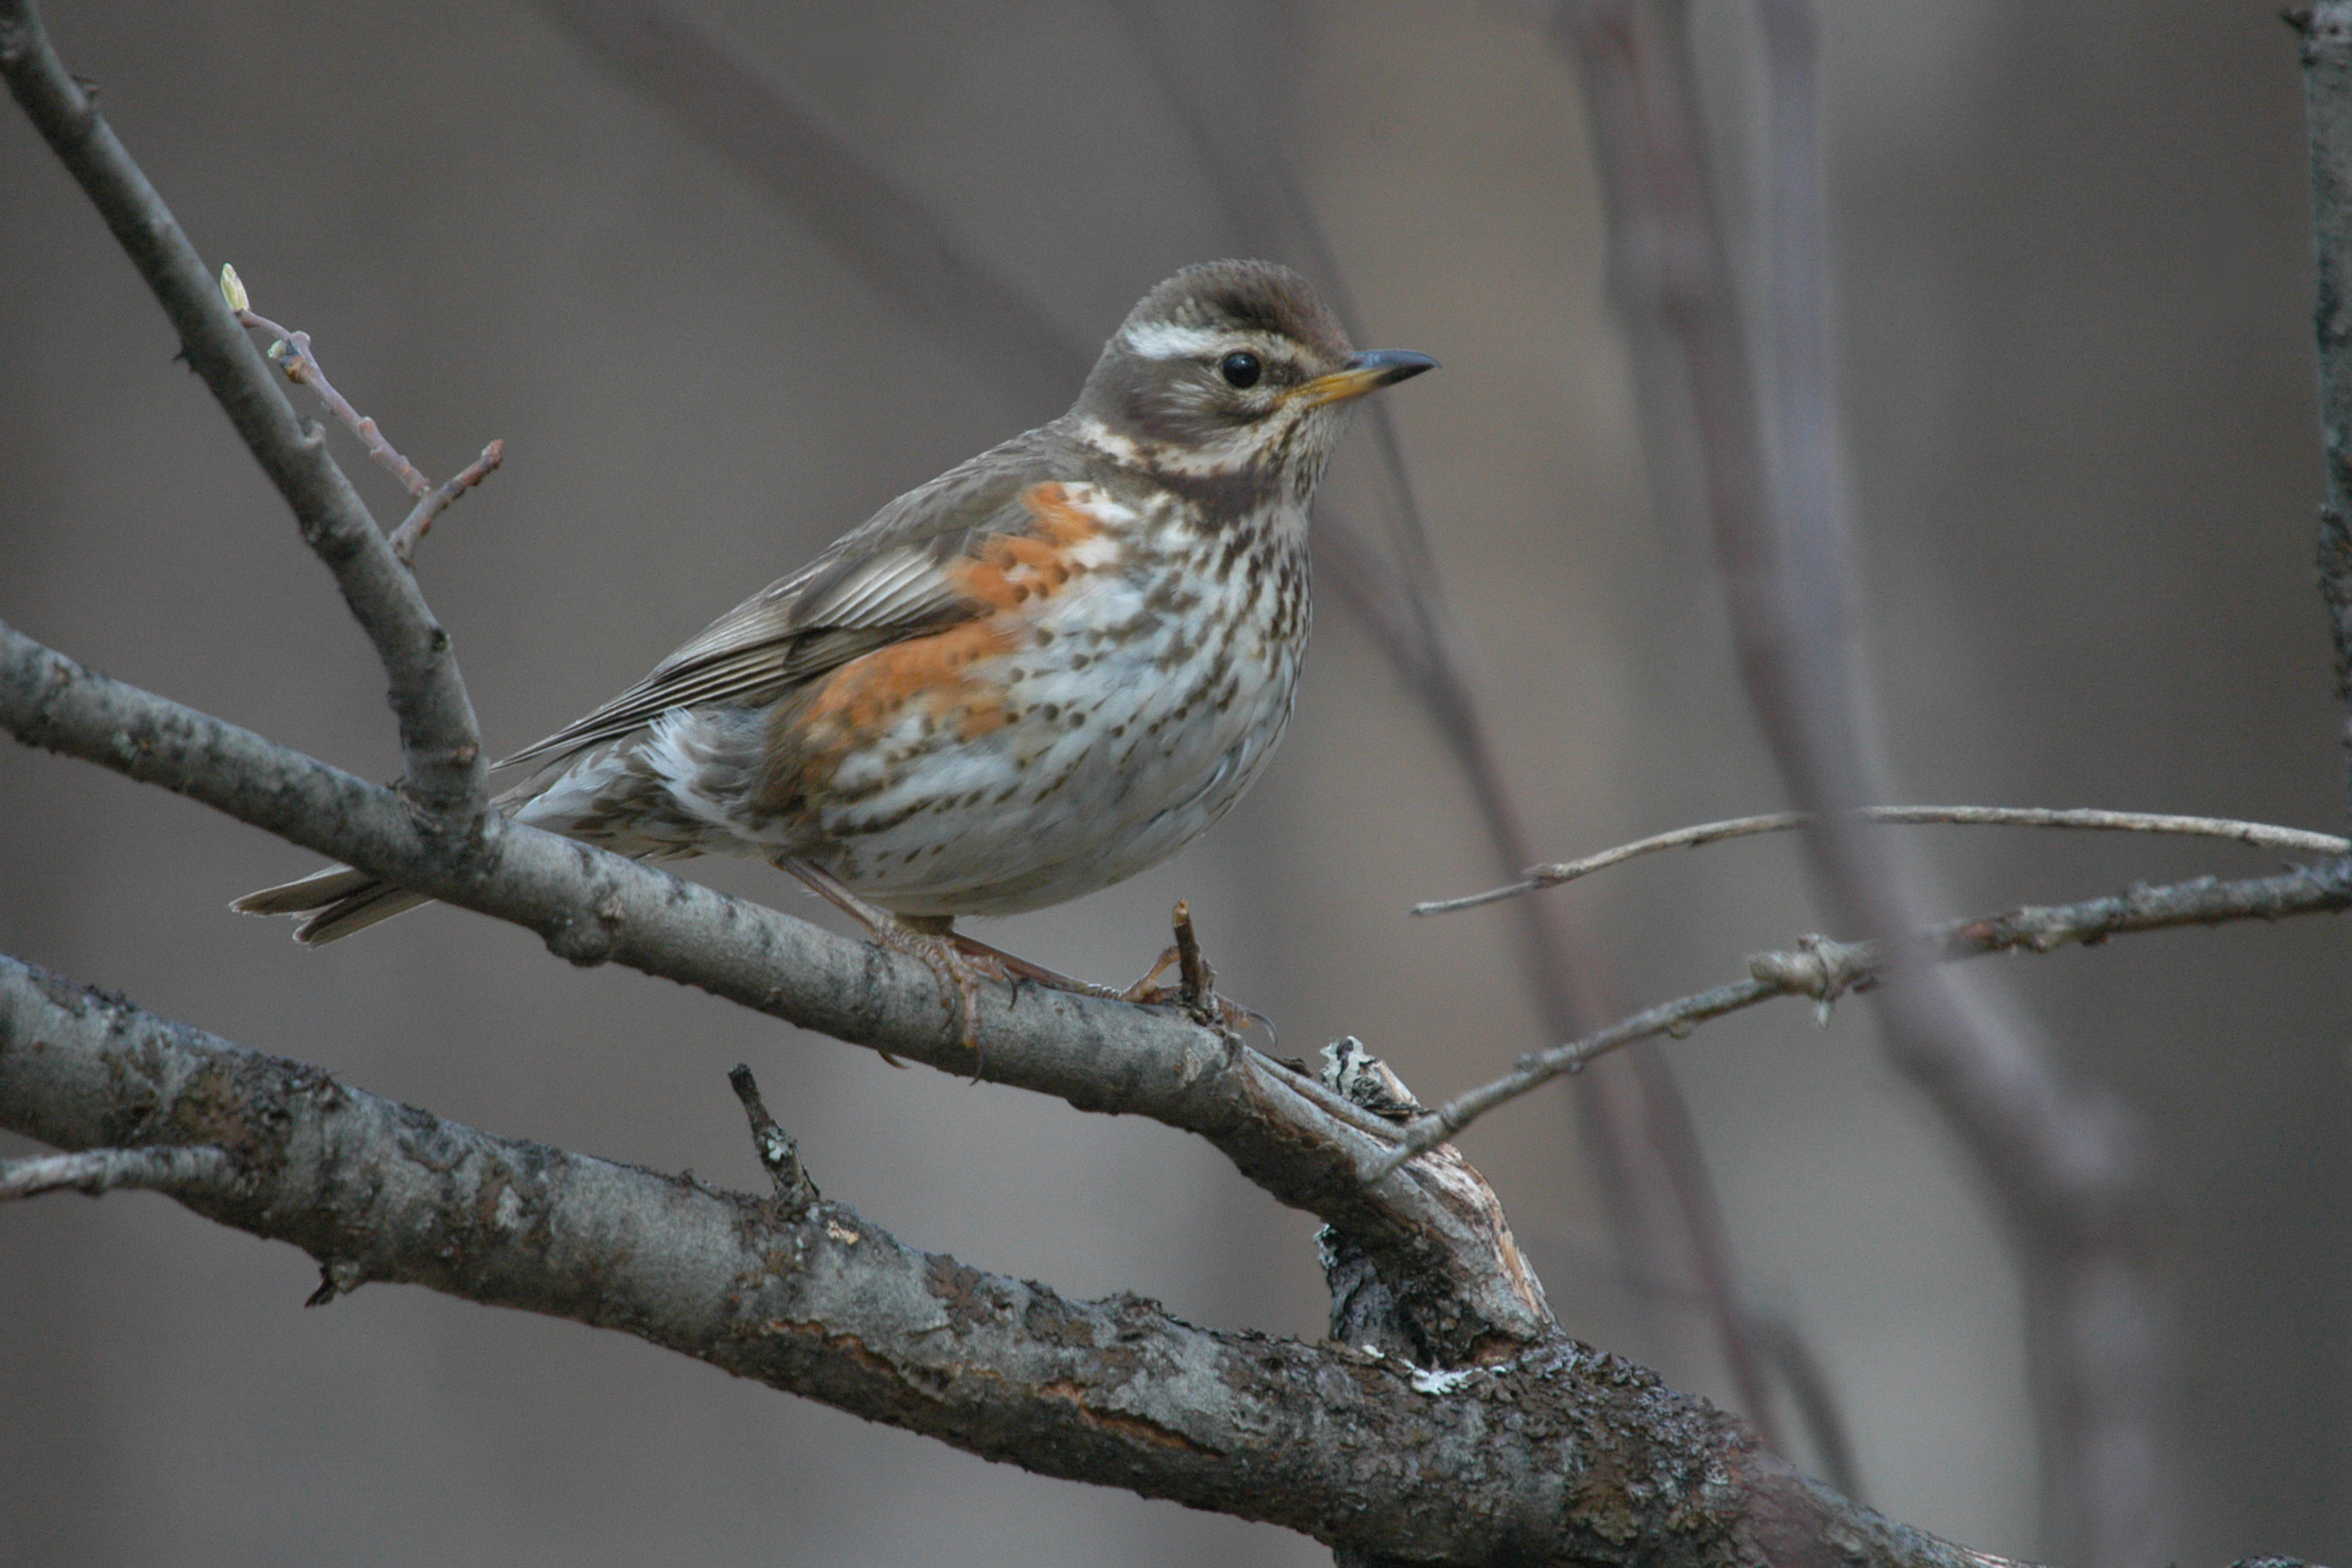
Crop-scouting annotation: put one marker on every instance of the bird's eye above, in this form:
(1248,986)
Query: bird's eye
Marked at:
(1240,369)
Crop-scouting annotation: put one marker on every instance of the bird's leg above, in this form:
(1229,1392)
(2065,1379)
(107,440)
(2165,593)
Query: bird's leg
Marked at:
(962,961)
(959,963)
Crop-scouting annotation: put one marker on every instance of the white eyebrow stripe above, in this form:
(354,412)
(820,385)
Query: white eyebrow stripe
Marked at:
(1165,339)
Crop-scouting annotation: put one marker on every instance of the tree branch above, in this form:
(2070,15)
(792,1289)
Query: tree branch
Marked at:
(440,744)
(1557,1454)
(2261,834)
(1825,970)
(1299,1142)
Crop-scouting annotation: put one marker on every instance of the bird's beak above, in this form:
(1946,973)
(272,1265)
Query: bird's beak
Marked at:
(1364,373)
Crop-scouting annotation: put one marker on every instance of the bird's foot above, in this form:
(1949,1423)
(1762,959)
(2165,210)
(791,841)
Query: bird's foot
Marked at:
(959,963)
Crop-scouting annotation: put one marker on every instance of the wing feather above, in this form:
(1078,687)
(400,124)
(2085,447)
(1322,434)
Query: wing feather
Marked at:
(888,580)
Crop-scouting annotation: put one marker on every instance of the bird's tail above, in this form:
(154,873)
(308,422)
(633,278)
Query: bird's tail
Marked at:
(338,899)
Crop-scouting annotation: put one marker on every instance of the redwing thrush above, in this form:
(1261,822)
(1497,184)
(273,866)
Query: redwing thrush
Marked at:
(1050,668)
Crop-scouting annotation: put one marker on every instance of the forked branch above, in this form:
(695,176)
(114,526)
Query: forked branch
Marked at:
(1825,970)
(440,744)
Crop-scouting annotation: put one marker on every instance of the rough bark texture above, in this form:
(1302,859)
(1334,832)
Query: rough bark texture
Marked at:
(1557,1453)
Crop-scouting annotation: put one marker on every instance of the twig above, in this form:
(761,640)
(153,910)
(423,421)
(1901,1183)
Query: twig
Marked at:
(1196,986)
(179,1168)
(2334,561)
(419,521)
(1825,970)
(291,353)
(778,1156)
(2261,834)
(440,743)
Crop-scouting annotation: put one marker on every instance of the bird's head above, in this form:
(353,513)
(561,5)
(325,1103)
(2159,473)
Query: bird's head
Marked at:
(1231,368)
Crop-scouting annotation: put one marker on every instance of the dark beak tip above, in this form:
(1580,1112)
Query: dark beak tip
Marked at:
(1394,364)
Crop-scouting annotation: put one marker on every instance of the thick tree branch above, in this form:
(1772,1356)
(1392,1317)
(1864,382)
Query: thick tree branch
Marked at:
(440,745)
(1296,1139)
(1559,1454)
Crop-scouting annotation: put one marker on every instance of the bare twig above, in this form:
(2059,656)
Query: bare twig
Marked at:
(1540,1068)
(1196,986)
(2261,834)
(292,354)
(419,521)
(440,744)
(1825,970)
(175,1168)
(778,1156)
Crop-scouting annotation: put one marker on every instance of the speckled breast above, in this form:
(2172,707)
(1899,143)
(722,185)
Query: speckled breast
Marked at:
(1126,686)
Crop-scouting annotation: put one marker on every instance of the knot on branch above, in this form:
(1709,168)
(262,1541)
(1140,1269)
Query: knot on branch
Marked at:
(588,937)
(1821,968)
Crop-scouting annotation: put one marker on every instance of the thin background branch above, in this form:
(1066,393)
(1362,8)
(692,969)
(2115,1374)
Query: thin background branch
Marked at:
(2062,1164)
(2326,31)
(2261,834)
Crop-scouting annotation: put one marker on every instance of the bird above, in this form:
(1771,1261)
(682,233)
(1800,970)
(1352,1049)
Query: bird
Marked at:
(1051,667)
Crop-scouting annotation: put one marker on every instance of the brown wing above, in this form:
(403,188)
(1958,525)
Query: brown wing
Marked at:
(887,580)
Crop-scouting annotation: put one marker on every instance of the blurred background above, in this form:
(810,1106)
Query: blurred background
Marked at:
(2071,273)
